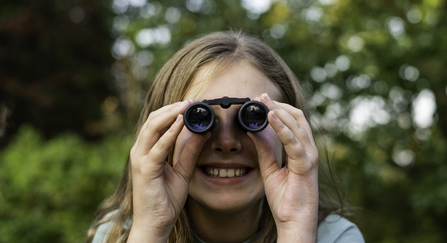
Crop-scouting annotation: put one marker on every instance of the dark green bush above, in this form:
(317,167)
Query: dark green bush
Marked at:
(51,189)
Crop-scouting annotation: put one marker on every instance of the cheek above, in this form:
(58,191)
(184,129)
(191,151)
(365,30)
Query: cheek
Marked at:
(180,143)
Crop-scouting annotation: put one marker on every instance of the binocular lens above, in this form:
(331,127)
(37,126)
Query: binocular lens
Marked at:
(199,117)
(253,116)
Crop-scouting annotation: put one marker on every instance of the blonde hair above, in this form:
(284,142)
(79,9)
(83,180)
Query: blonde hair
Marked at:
(222,49)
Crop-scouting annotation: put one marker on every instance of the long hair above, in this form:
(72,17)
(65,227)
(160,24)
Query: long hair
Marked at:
(221,49)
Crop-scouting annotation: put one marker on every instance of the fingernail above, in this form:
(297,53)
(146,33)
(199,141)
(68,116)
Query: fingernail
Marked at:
(257,98)
(266,96)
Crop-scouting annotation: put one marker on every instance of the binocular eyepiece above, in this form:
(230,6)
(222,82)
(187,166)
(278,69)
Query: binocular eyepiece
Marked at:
(252,116)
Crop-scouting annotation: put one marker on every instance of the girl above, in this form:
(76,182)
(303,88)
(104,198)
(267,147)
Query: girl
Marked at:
(225,185)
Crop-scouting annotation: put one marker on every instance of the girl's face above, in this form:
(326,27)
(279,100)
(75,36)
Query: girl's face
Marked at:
(229,152)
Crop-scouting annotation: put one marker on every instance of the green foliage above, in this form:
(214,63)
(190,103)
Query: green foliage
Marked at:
(49,190)
(395,203)
(395,51)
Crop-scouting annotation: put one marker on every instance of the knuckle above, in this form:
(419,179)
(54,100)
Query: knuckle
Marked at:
(311,163)
(299,112)
(161,145)
(151,116)
(277,109)
(302,132)
(172,131)
(282,127)
(292,141)
(295,141)
(133,151)
(135,165)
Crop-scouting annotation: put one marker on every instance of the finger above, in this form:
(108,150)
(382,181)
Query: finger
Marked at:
(156,113)
(298,114)
(301,153)
(299,161)
(160,150)
(266,157)
(292,145)
(157,125)
(189,155)
(162,110)
(291,123)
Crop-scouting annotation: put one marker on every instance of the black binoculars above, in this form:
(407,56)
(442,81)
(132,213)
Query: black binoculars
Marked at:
(252,116)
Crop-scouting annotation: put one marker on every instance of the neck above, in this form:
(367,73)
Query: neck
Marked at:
(214,227)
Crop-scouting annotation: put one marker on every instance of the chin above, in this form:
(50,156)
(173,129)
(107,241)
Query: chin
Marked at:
(228,203)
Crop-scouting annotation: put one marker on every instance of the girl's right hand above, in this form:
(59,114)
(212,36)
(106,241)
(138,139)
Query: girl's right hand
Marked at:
(159,189)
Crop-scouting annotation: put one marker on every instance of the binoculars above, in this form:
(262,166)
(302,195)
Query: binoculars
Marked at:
(252,116)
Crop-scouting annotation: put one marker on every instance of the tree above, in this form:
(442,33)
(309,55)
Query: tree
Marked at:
(55,59)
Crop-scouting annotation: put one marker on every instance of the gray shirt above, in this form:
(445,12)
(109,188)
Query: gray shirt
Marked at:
(334,229)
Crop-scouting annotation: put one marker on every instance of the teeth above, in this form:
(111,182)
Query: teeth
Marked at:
(227,172)
(222,173)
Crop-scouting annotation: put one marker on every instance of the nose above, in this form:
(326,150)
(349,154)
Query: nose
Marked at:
(226,133)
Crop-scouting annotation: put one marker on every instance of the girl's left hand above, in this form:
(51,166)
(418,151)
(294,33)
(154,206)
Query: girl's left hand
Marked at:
(291,191)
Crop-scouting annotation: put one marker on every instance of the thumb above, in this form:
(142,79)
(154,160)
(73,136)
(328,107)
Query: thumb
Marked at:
(189,155)
(266,156)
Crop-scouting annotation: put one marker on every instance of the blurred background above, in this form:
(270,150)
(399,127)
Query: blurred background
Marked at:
(74,73)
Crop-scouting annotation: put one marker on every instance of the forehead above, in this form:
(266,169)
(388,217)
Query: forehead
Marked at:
(240,80)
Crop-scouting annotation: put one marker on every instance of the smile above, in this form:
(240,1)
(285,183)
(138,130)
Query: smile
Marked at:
(225,172)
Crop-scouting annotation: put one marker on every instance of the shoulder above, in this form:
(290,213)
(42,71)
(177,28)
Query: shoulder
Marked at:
(336,229)
(104,229)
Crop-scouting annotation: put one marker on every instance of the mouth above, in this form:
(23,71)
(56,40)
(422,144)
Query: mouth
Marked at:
(225,172)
